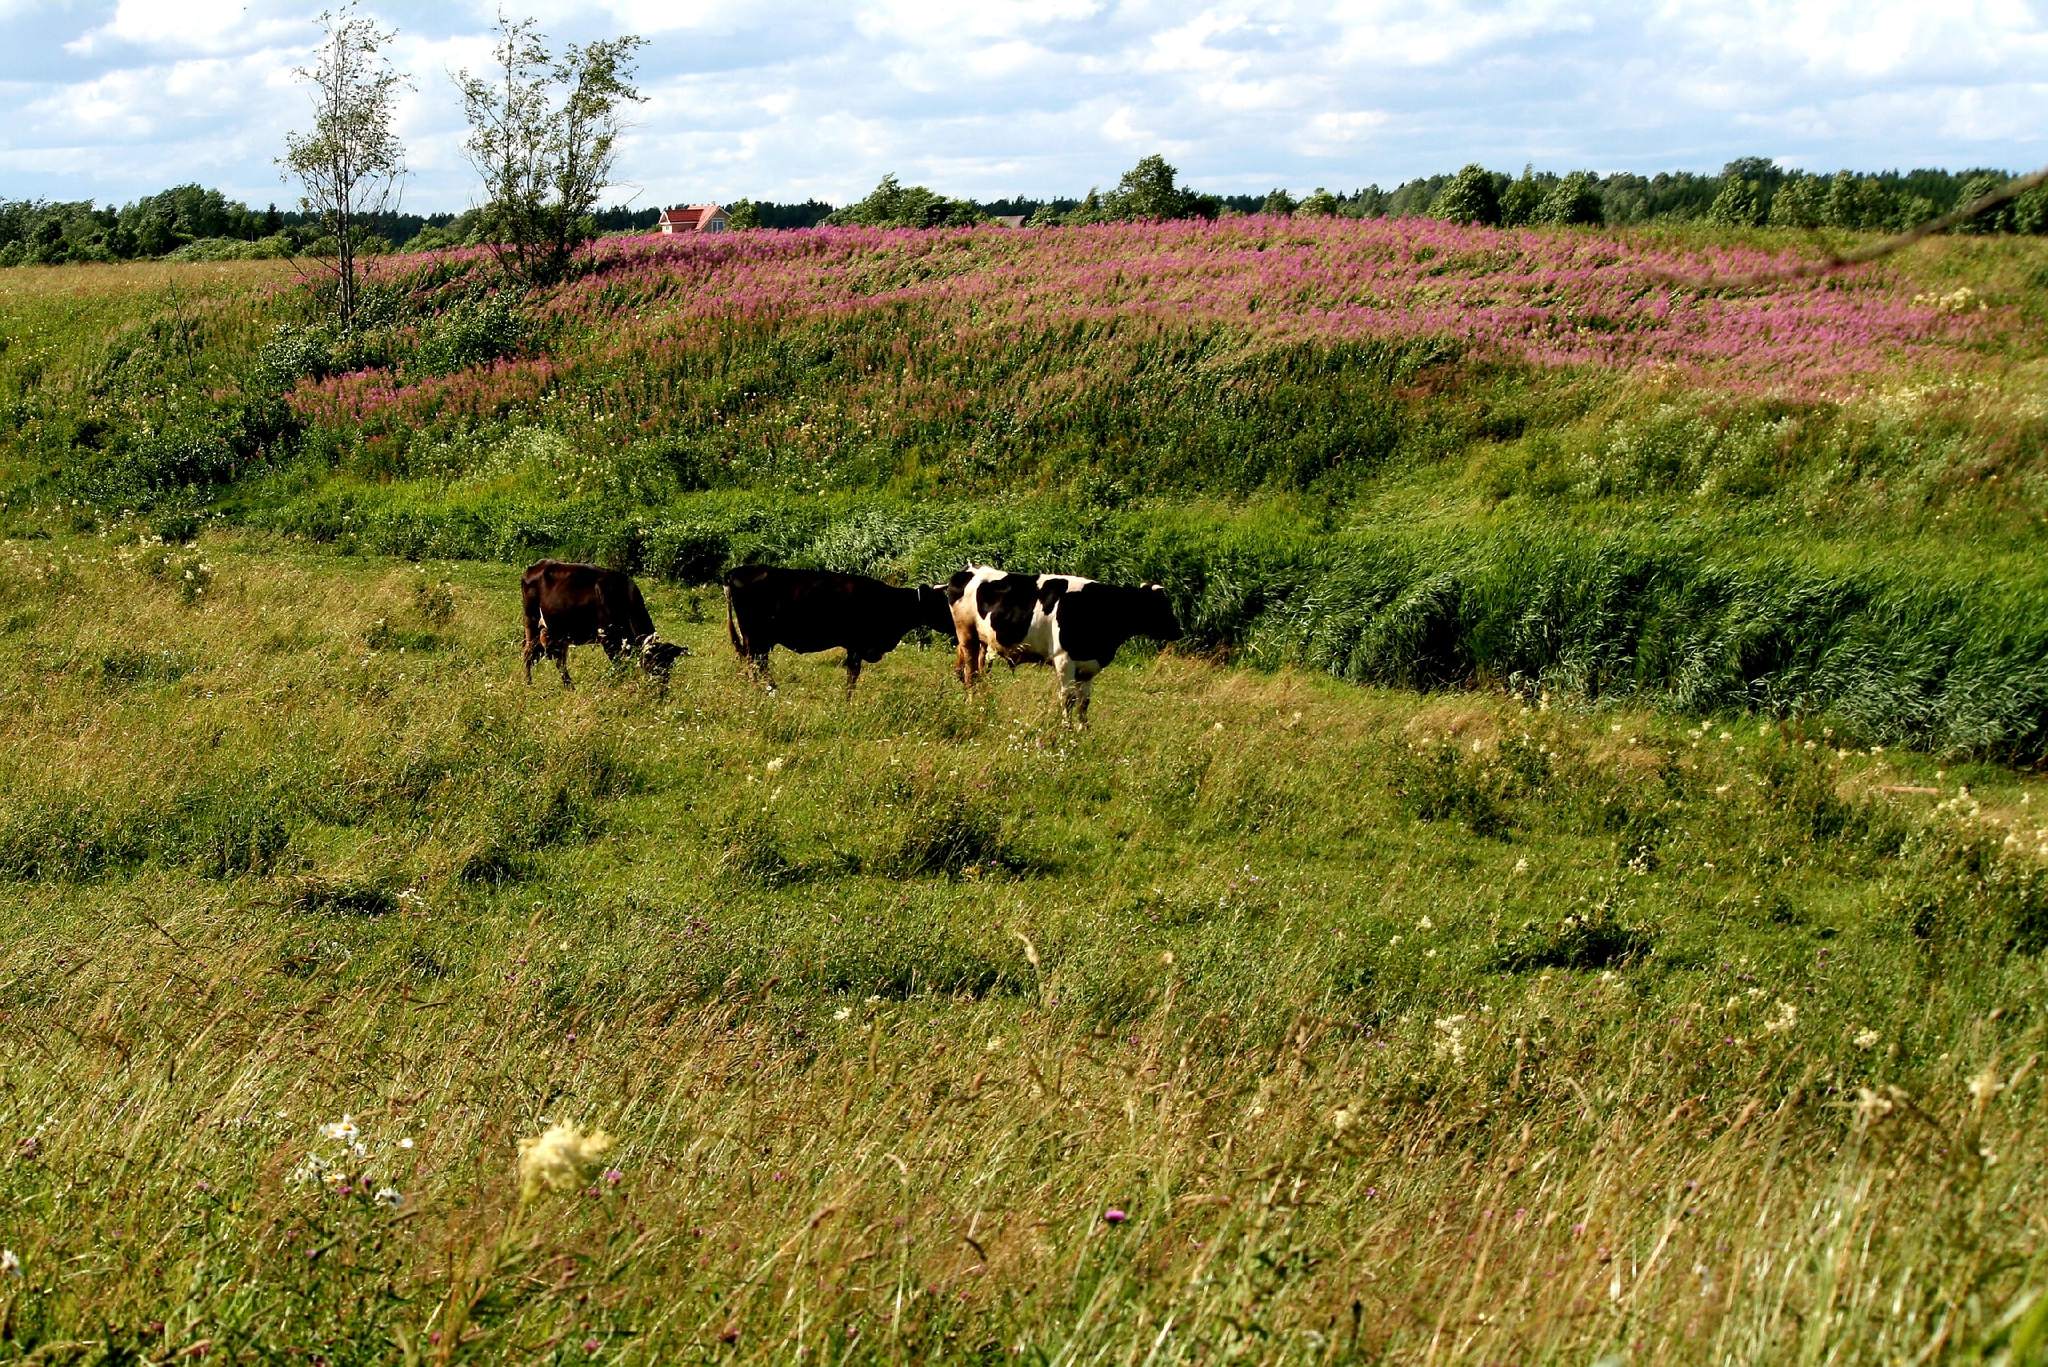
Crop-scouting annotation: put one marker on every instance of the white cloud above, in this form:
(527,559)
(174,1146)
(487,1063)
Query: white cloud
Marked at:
(149,101)
(988,97)
(950,23)
(1376,33)
(193,26)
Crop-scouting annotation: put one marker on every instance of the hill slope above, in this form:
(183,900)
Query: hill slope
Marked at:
(1401,451)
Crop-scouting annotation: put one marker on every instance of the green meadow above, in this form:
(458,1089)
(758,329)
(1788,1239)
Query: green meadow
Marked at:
(1578,892)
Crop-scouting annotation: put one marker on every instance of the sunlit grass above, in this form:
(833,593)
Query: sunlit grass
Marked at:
(1431,1028)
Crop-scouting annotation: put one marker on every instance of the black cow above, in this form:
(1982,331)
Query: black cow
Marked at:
(1073,624)
(579,605)
(809,610)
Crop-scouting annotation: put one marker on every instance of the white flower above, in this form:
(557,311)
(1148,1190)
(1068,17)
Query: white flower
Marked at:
(1985,1085)
(1787,1017)
(1452,1045)
(1425,924)
(389,1196)
(842,1013)
(1340,1119)
(343,1129)
(405,1143)
(1865,1039)
(775,765)
(10,1263)
(557,1159)
(314,1169)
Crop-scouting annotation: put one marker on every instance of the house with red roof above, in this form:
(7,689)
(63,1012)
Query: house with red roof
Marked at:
(698,218)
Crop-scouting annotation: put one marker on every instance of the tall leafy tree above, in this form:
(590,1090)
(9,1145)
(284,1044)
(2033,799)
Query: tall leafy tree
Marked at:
(1575,199)
(543,134)
(350,162)
(1739,205)
(1472,196)
(1151,189)
(891,204)
(1321,204)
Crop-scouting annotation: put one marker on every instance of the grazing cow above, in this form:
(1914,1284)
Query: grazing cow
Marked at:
(579,605)
(807,610)
(1075,625)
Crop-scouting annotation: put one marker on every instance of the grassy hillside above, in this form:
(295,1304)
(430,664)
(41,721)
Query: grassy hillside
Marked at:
(1672,994)
(1404,452)
(1416,1028)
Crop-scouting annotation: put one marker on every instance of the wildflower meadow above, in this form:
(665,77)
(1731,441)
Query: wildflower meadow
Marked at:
(1577,893)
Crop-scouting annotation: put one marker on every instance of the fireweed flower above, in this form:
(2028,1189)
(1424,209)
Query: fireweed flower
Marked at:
(557,1159)
(1114,1216)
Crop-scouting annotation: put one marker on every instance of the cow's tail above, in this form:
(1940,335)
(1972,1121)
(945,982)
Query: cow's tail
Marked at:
(536,625)
(732,625)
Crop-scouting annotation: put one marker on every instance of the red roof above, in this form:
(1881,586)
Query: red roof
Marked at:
(692,218)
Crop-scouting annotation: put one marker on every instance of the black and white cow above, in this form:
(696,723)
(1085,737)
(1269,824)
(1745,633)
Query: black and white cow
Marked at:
(1073,624)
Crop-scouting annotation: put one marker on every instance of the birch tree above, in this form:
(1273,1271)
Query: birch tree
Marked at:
(543,135)
(349,164)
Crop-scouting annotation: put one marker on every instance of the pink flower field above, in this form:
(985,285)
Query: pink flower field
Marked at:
(1709,317)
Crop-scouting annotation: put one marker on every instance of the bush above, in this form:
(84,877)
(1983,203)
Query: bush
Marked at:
(473,331)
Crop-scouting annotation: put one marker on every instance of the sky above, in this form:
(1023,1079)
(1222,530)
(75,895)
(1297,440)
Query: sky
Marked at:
(112,99)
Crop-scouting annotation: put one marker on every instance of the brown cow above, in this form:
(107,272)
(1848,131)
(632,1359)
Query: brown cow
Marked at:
(579,605)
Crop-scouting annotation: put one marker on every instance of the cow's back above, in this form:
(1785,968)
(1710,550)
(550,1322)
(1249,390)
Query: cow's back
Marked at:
(813,610)
(574,603)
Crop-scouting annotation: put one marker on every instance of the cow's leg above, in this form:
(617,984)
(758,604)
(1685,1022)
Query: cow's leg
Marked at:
(561,654)
(1084,683)
(970,659)
(532,654)
(1069,685)
(852,672)
(758,665)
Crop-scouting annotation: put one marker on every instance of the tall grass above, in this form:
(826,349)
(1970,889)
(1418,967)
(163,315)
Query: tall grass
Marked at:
(1395,1027)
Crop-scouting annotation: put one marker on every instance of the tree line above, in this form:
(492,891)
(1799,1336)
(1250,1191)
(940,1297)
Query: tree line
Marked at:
(191,222)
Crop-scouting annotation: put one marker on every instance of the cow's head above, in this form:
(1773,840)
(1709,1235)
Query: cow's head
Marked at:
(1155,614)
(656,657)
(935,608)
